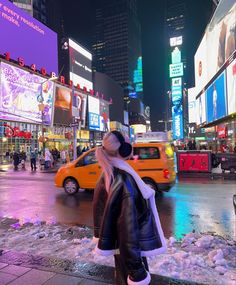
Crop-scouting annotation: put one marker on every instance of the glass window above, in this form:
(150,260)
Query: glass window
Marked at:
(146,152)
(90,158)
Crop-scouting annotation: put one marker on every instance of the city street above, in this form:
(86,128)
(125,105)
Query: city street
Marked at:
(198,205)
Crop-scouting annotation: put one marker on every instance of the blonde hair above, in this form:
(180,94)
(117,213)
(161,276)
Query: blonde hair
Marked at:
(109,148)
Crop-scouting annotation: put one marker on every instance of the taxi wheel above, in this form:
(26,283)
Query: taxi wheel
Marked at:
(150,183)
(71,186)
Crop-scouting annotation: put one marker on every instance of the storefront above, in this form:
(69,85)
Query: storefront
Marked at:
(16,136)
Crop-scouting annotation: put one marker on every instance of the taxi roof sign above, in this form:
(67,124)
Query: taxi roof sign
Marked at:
(151,137)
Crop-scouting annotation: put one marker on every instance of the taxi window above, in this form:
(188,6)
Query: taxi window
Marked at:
(146,152)
(90,158)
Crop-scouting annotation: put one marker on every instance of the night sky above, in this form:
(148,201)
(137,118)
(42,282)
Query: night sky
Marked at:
(79,23)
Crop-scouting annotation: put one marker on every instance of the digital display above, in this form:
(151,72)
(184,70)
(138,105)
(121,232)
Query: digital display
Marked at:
(104,116)
(176,69)
(63,106)
(231,87)
(23,36)
(216,99)
(138,76)
(94,113)
(20,92)
(177,117)
(80,105)
(176,90)
(80,65)
(194,162)
(176,41)
(192,105)
(201,109)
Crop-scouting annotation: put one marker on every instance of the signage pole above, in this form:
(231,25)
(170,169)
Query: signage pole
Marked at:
(74,141)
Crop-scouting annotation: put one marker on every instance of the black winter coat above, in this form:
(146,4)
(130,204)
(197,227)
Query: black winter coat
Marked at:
(123,221)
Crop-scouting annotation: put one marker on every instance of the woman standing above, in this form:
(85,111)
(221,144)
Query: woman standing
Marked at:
(126,222)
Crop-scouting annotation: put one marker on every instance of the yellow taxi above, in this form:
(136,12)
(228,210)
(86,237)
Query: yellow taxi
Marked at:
(154,162)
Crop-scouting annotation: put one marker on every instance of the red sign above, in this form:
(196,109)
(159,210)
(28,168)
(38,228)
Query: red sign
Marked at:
(222,132)
(196,162)
(15,132)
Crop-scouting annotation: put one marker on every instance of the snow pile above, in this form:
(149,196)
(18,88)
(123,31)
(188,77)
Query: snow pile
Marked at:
(203,258)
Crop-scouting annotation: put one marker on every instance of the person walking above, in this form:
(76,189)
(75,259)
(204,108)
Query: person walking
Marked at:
(126,222)
(33,157)
(48,159)
(63,156)
(16,160)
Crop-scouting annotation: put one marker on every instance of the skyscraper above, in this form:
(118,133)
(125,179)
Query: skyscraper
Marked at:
(117,42)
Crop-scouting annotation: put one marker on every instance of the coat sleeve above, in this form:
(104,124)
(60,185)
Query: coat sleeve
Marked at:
(128,236)
(99,202)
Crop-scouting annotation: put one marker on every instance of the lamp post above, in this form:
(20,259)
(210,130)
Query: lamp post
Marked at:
(41,108)
(165,122)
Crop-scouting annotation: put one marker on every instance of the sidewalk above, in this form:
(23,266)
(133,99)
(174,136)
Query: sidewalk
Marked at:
(8,167)
(23,269)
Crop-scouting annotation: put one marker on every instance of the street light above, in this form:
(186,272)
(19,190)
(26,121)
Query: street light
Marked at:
(165,122)
(41,108)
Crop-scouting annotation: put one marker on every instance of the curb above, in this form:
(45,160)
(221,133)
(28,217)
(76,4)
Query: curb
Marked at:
(85,270)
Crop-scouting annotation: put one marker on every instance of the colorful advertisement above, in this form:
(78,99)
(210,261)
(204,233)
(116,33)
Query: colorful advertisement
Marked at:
(94,113)
(194,162)
(80,105)
(63,106)
(177,117)
(23,36)
(200,66)
(80,65)
(201,109)
(216,99)
(21,92)
(231,87)
(176,90)
(104,116)
(192,118)
(220,34)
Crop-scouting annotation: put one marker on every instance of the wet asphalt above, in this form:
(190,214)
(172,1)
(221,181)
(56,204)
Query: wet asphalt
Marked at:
(193,204)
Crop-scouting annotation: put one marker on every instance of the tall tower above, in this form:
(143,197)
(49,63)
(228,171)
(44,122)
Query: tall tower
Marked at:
(117,43)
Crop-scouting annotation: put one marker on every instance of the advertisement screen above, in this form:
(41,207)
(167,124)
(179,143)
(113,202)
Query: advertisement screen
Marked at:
(231,87)
(176,90)
(192,118)
(63,106)
(104,116)
(221,36)
(216,99)
(200,66)
(80,65)
(19,96)
(195,161)
(94,113)
(176,69)
(201,109)
(80,105)
(177,117)
(23,36)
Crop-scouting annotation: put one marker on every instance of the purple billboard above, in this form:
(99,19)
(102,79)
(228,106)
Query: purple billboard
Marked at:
(23,36)
(21,93)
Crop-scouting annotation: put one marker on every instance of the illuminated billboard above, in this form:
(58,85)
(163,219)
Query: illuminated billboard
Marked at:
(216,99)
(80,105)
(176,90)
(23,36)
(176,56)
(231,87)
(63,105)
(201,109)
(80,65)
(176,69)
(94,113)
(177,124)
(104,116)
(176,41)
(192,105)
(138,76)
(19,96)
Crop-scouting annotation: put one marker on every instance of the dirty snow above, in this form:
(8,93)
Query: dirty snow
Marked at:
(203,258)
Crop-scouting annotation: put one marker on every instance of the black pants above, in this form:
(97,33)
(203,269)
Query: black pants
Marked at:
(121,272)
(33,163)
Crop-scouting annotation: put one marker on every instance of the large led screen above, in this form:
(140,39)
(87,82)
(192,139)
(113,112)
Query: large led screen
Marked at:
(201,109)
(23,36)
(81,105)
(221,34)
(94,113)
(80,65)
(231,87)
(216,99)
(63,106)
(177,124)
(19,96)
(104,116)
(192,105)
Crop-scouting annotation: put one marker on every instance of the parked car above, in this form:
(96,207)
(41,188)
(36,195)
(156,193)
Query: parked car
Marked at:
(154,162)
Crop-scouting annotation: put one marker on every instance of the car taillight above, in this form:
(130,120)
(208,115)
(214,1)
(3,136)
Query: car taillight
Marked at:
(166,173)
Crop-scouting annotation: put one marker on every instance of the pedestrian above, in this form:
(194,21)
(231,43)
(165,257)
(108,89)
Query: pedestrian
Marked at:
(33,157)
(126,222)
(48,159)
(63,156)
(16,160)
